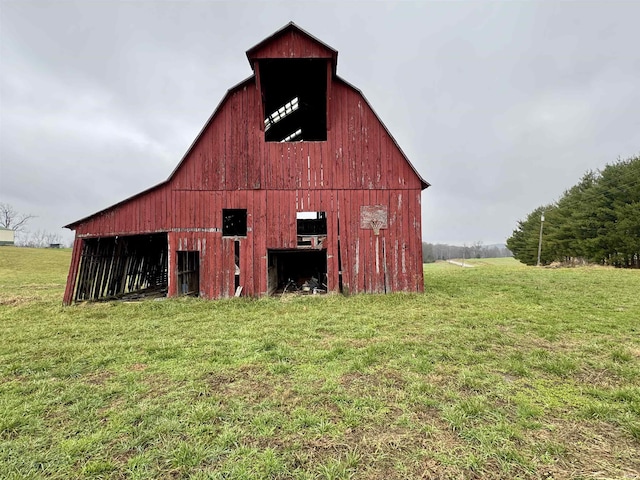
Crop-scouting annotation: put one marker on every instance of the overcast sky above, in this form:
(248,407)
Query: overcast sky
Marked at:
(501,106)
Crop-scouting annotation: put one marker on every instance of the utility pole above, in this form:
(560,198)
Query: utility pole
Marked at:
(540,240)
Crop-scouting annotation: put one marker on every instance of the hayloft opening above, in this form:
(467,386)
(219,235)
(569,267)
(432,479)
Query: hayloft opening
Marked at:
(294,96)
(128,267)
(303,271)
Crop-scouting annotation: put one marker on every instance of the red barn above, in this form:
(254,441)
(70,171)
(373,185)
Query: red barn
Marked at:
(293,183)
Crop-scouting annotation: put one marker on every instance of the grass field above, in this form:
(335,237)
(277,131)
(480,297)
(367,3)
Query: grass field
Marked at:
(498,371)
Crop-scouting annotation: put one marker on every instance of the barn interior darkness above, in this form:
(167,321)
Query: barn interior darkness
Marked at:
(290,270)
(117,267)
(234,222)
(294,95)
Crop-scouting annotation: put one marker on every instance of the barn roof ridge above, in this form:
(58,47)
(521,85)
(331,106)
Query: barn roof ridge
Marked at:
(291,26)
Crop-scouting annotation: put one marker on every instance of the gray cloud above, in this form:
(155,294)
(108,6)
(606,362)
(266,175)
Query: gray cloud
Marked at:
(500,105)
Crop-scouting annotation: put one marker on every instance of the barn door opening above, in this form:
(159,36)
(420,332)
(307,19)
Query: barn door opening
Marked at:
(189,273)
(123,267)
(303,271)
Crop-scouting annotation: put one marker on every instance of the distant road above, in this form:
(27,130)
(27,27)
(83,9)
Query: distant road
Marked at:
(460,264)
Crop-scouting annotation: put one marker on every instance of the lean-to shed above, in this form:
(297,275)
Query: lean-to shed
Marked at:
(294,180)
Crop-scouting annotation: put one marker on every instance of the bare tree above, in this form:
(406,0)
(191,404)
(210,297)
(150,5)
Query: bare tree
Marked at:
(13,220)
(40,239)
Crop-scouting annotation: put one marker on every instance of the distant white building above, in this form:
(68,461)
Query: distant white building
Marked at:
(7,236)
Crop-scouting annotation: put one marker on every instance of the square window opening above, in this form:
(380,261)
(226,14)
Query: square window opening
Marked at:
(234,222)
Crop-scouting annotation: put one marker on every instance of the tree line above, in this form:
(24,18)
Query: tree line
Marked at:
(596,221)
(432,252)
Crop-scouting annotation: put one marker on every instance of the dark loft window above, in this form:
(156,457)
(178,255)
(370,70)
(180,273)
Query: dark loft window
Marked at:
(234,222)
(294,93)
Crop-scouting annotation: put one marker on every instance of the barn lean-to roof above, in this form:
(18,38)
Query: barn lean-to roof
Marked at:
(252,54)
(230,92)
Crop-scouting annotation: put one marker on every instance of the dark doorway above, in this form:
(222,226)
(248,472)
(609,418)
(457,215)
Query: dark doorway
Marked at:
(297,270)
(189,273)
(123,267)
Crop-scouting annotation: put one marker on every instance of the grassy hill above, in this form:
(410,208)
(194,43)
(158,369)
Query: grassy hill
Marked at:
(497,371)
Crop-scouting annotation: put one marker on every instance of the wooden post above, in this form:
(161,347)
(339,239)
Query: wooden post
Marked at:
(73,271)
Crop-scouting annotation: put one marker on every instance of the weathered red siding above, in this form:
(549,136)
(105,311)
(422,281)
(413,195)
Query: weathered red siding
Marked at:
(291,42)
(231,166)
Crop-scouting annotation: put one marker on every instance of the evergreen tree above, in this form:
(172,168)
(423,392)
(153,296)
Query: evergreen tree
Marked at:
(524,240)
(597,220)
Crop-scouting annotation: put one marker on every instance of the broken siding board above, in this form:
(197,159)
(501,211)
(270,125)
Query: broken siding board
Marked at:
(336,135)
(260,158)
(253,176)
(260,244)
(240,135)
(248,281)
(244,139)
(417,247)
(374,264)
(402,236)
(366,258)
(330,150)
(282,221)
(393,179)
(336,149)
(360,145)
(354,228)
(328,205)
(366,248)
(290,166)
(344,237)
(352,158)
(273,218)
(376,199)
(363,241)
(395,244)
(410,238)
(291,231)
(231,170)
(73,271)
(377,158)
(350,246)
(228,266)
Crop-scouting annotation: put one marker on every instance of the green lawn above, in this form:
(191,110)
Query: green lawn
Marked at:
(497,371)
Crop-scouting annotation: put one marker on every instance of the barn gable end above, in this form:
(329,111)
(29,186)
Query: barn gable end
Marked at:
(280,183)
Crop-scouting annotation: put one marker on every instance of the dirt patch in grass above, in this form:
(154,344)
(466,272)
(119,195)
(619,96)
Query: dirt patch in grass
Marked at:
(247,382)
(138,367)
(98,378)
(588,450)
(599,378)
(383,378)
(17,300)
